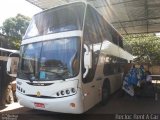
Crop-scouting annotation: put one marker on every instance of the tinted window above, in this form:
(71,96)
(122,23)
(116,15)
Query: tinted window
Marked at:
(60,19)
(113,65)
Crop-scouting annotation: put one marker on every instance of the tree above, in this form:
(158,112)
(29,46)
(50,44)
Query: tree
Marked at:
(15,28)
(145,47)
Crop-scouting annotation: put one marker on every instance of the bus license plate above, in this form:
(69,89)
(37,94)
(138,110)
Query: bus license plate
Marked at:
(39,105)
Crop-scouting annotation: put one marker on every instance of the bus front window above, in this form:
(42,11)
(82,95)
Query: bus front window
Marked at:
(28,68)
(56,20)
(51,60)
(58,58)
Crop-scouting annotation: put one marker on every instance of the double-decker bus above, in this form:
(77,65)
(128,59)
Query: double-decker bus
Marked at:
(71,58)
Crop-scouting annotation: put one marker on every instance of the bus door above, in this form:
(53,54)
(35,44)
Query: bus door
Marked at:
(89,92)
(90,88)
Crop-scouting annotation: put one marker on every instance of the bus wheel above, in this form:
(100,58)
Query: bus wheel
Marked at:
(105,92)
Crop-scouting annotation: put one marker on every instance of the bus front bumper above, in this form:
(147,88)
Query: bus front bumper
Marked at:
(71,104)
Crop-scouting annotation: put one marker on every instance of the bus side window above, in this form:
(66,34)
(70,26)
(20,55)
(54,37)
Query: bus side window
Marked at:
(113,65)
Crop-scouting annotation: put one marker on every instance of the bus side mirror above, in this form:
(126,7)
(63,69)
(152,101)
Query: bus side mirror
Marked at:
(12,65)
(87,60)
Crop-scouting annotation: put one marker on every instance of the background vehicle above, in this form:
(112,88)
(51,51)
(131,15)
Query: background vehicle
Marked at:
(70,59)
(12,65)
(7,80)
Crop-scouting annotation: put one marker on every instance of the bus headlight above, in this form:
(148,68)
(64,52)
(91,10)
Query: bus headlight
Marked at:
(62,92)
(66,92)
(57,94)
(73,90)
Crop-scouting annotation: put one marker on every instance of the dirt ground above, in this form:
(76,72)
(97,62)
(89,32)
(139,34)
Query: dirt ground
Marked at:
(119,106)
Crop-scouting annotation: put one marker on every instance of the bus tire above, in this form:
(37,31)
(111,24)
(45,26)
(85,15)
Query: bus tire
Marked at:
(105,92)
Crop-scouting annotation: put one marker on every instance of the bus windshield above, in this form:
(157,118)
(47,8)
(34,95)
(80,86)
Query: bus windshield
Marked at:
(50,60)
(60,19)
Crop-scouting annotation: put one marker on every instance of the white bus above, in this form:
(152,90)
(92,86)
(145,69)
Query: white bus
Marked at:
(70,60)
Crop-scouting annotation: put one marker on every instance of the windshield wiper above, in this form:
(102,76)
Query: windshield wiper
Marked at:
(29,77)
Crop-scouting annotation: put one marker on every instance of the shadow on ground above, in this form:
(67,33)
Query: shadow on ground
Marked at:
(118,104)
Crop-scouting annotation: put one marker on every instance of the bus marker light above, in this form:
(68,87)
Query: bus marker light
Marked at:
(86,94)
(39,105)
(73,105)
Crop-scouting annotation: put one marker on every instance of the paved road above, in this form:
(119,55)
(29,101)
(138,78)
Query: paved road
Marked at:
(118,104)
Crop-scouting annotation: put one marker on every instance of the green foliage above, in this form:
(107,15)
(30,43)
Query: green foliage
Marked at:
(145,47)
(15,28)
